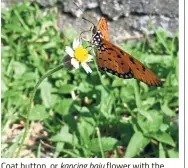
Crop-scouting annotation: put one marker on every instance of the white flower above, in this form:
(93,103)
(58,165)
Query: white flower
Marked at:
(79,56)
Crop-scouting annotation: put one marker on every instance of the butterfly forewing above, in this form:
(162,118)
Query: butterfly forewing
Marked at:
(103,27)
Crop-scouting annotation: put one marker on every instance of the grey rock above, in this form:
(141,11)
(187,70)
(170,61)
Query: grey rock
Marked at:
(92,4)
(9,3)
(69,6)
(117,8)
(145,23)
(46,3)
(126,18)
(124,28)
(168,8)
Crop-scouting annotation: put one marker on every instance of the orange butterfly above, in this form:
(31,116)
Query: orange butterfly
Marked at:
(114,60)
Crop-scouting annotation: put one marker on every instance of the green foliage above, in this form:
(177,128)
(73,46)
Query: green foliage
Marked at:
(127,113)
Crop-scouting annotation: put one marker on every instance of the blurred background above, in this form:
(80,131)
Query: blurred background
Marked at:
(74,114)
(127,19)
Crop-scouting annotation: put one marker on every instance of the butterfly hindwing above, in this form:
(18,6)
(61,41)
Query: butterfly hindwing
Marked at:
(142,73)
(116,61)
(109,61)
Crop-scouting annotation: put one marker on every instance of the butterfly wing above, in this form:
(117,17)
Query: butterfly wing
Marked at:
(103,27)
(116,61)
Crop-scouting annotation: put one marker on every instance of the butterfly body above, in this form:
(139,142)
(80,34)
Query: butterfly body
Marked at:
(114,60)
(97,40)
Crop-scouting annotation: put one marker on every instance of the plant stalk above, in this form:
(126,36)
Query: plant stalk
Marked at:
(30,104)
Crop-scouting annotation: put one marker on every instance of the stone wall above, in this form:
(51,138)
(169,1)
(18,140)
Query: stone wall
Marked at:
(127,18)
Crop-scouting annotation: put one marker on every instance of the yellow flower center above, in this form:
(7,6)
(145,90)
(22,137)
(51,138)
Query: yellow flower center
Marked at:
(81,54)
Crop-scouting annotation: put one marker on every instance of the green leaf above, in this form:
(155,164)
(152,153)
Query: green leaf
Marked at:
(29,76)
(68,88)
(46,95)
(49,45)
(165,59)
(84,138)
(117,82)
(63,106)
(167,110)
(161,151)
(3,86)
(164,127)
(18,68)
(108,143)
(173,154)
(137,94)
(59,146)
(68,138)
(127,93)
(14,28)
(164,138)
(136,144)
(150,121)
(38,113)
(65,136)
(82,128)
(39,151)
(89,123)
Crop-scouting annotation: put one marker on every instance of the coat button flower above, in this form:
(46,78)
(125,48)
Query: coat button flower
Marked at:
(79,56)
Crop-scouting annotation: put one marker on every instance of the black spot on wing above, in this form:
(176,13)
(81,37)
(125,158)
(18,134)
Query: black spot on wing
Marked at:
(143,68)
(111,49)
(132,60)
(127,75)
(122,52)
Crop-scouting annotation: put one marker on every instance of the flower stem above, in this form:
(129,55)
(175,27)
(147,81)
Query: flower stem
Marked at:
(30,104)
(99,74)
(99,140)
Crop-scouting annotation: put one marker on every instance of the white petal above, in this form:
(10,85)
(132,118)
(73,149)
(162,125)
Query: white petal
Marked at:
(86,67)
(76,43)
(90,58)
(69,51)
(75,63)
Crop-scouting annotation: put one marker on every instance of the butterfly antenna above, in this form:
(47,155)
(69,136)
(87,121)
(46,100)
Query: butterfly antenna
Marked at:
(88,21)
(78,7)
(91,29)
(83,12)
